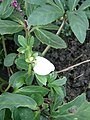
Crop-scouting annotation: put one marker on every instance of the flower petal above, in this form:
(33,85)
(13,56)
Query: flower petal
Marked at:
(43,66)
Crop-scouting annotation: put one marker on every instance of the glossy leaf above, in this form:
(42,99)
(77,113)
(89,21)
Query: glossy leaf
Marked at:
(9,60)
(79,24)
(9,27)
(72,4)
(85,5)
(17,79)
(28,90)
(11,100)
(49,38)
(45,15)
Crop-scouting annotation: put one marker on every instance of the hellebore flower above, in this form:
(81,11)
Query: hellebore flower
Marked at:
(43,66)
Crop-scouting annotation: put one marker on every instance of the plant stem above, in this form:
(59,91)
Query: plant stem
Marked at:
(7,88)
(58,32)
(5,52)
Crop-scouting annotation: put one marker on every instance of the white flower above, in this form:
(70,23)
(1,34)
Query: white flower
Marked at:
(43,66)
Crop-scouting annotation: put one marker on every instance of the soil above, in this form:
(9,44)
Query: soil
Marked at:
(78,78)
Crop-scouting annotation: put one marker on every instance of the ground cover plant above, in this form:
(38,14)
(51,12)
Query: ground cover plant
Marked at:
(35,90)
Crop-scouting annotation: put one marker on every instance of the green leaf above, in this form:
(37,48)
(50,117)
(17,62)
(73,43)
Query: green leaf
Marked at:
(26,114)
(8,114)
(8,61)
(41,79)
(49,27)
(21,63)
(79,24)
(17,17)
(28,90)
(44,15)
(51,77)
(59,91)
(17,79)
(11,100)
(43,118)
(88,13)
(6,9)
(72,4)
(22,41)
(38,98)
(9,27)
(49,38)
(15,114)
(59,3)
(85,5)
(37,2)
(2,114)
(28,8)
(77,109)
(59,82)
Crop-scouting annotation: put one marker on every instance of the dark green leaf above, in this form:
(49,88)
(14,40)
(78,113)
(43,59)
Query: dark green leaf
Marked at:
(17,79)
(2,114)
(28,90)
(21,63)
(38,98)
(8,114)
(49,38)
(8,61)
(44,15)
(79,24)
(9,27)
(26,114)
(11,100)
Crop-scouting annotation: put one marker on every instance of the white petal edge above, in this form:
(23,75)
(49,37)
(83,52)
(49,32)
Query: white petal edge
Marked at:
(43,66)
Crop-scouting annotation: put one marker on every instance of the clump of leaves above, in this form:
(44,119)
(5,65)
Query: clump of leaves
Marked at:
(38,91)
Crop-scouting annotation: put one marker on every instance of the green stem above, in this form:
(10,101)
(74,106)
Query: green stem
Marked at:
(58,32)
(7,88)
(5,52)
